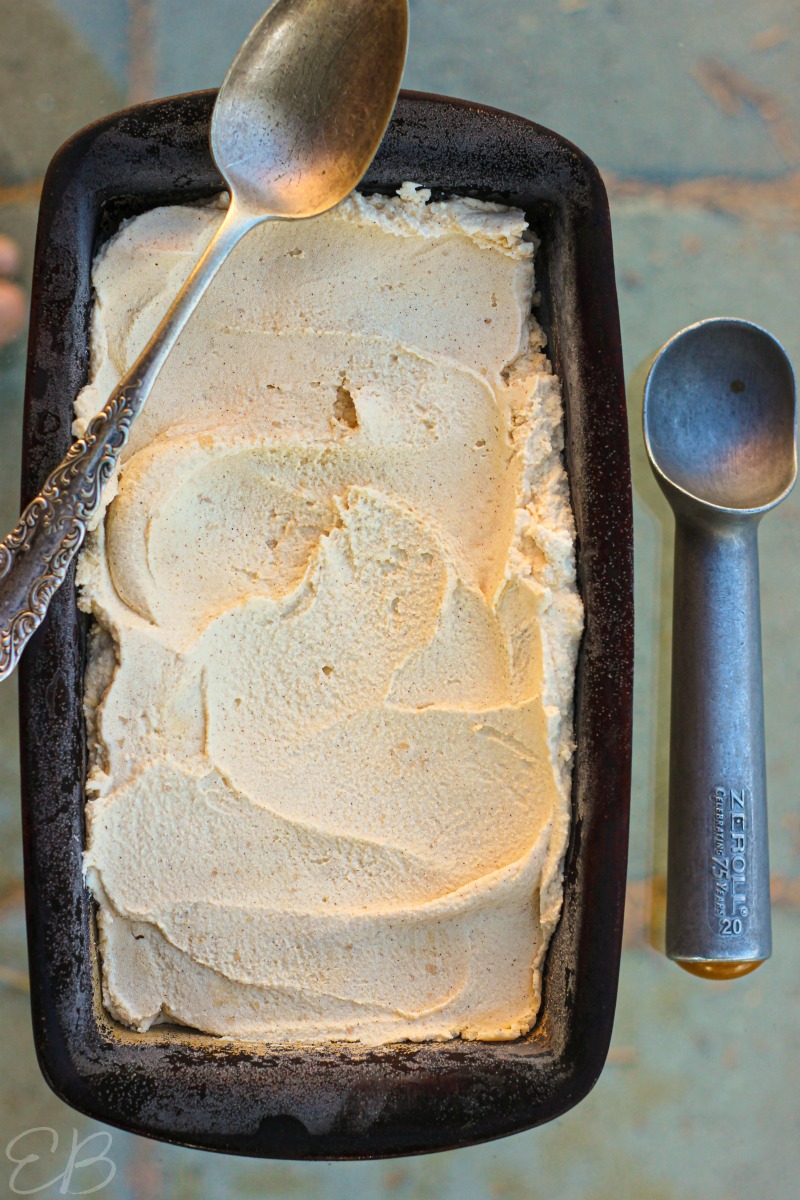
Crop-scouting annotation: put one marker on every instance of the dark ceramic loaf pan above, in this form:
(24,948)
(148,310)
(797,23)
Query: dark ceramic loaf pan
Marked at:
(337,1102)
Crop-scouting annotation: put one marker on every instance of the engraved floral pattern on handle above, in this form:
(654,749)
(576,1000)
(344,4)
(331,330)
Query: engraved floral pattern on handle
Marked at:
(35,556)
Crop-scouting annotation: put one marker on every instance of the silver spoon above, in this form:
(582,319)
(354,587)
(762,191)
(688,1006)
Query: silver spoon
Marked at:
(720,429)
(296,123)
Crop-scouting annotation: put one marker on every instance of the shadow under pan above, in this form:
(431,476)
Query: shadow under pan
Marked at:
(340,1101)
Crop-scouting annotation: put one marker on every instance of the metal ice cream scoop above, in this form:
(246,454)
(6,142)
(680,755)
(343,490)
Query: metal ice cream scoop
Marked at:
(297,122)
(720,429)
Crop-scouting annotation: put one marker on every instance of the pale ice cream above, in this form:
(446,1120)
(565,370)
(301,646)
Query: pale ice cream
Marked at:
(329,688)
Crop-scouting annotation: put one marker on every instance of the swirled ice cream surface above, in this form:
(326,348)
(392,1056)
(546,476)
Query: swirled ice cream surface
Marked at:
(330,678)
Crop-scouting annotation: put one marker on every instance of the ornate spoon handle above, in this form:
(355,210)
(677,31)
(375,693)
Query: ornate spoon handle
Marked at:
(35,556)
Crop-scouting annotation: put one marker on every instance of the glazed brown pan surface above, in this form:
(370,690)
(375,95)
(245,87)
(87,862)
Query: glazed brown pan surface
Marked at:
(340,1101)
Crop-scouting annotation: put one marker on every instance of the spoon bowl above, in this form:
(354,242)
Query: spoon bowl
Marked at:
(719,416)
(306,101)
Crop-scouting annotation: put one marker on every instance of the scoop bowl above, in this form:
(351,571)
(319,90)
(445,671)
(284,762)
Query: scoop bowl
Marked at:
(719,416)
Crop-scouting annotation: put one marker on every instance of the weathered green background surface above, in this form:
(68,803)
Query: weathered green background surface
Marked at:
(691,107)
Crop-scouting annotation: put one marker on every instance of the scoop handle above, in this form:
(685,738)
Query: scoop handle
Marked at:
(718,901)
